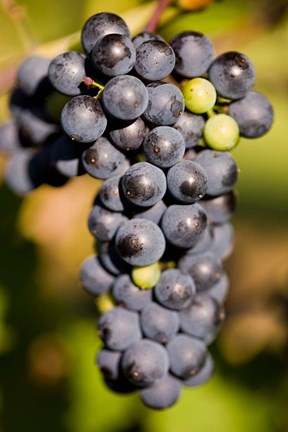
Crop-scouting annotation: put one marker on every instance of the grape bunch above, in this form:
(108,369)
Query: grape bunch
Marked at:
(155,121)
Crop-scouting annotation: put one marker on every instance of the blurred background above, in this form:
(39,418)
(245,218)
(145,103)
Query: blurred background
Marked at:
(48,340)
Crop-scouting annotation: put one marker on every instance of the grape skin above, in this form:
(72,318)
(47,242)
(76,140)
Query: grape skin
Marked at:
(191,127)
(203,375)
(145,36)
(127,294)
(253,114)
(125,97)
(184,225)
(140,242)
(163,394)
(155,60)
(94,278)
(102,160)
(131,137)
(144,184)
(66,72)
(113,55)
(108,363)
(232,74)
(164,146)
(103,223)
(202,318)
(31,73)
(205,269)
(221,171)
(166,104)
(82,119)
(119,328)
(144,362)
(187,355)
(194,53)
(158,323)
(109,194)
(175,290)
(99,25)
(187,181)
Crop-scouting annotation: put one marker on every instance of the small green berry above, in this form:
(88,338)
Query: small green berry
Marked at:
(221,132)
(146,277)
(199,95)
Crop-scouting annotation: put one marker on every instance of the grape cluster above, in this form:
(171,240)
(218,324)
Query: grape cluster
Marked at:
(154,121)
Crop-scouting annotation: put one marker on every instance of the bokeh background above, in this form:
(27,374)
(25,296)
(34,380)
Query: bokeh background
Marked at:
(48,339)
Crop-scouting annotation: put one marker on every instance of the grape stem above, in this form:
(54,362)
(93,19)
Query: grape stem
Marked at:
(89,82)
(154,21)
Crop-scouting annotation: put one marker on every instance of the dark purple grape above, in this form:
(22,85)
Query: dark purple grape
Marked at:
(166,104)
(82,119)
(154,213)
(108,363)
(144,362)
(98,26)
(164,146)
(31,73)
(253,114)
(113,55)
(187,181)
(102,160)
(204,244)
(118,328)
(163,394)
(219,290)
(175,290)
(144,184)
(221,170)
(155,60)
(159,323)
(140,242)
(125,97)
(94,278)
(194,53)
(203,375)
(232,74)
(184,225)
(10,141)
(191,128)
(219,209)
(223,236)
(103,223)
(129,138)
(109,194)
(109,258)
(145,36)
(187,355)
(17,175)
(203,318)
(128,295)
(205,269)
(67,71)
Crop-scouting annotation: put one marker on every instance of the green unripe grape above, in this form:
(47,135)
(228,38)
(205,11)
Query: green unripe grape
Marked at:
(199,95)
(221,132)
(104,302)
(146,277)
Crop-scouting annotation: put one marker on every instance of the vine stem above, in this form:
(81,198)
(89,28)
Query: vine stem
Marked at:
(153,23)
